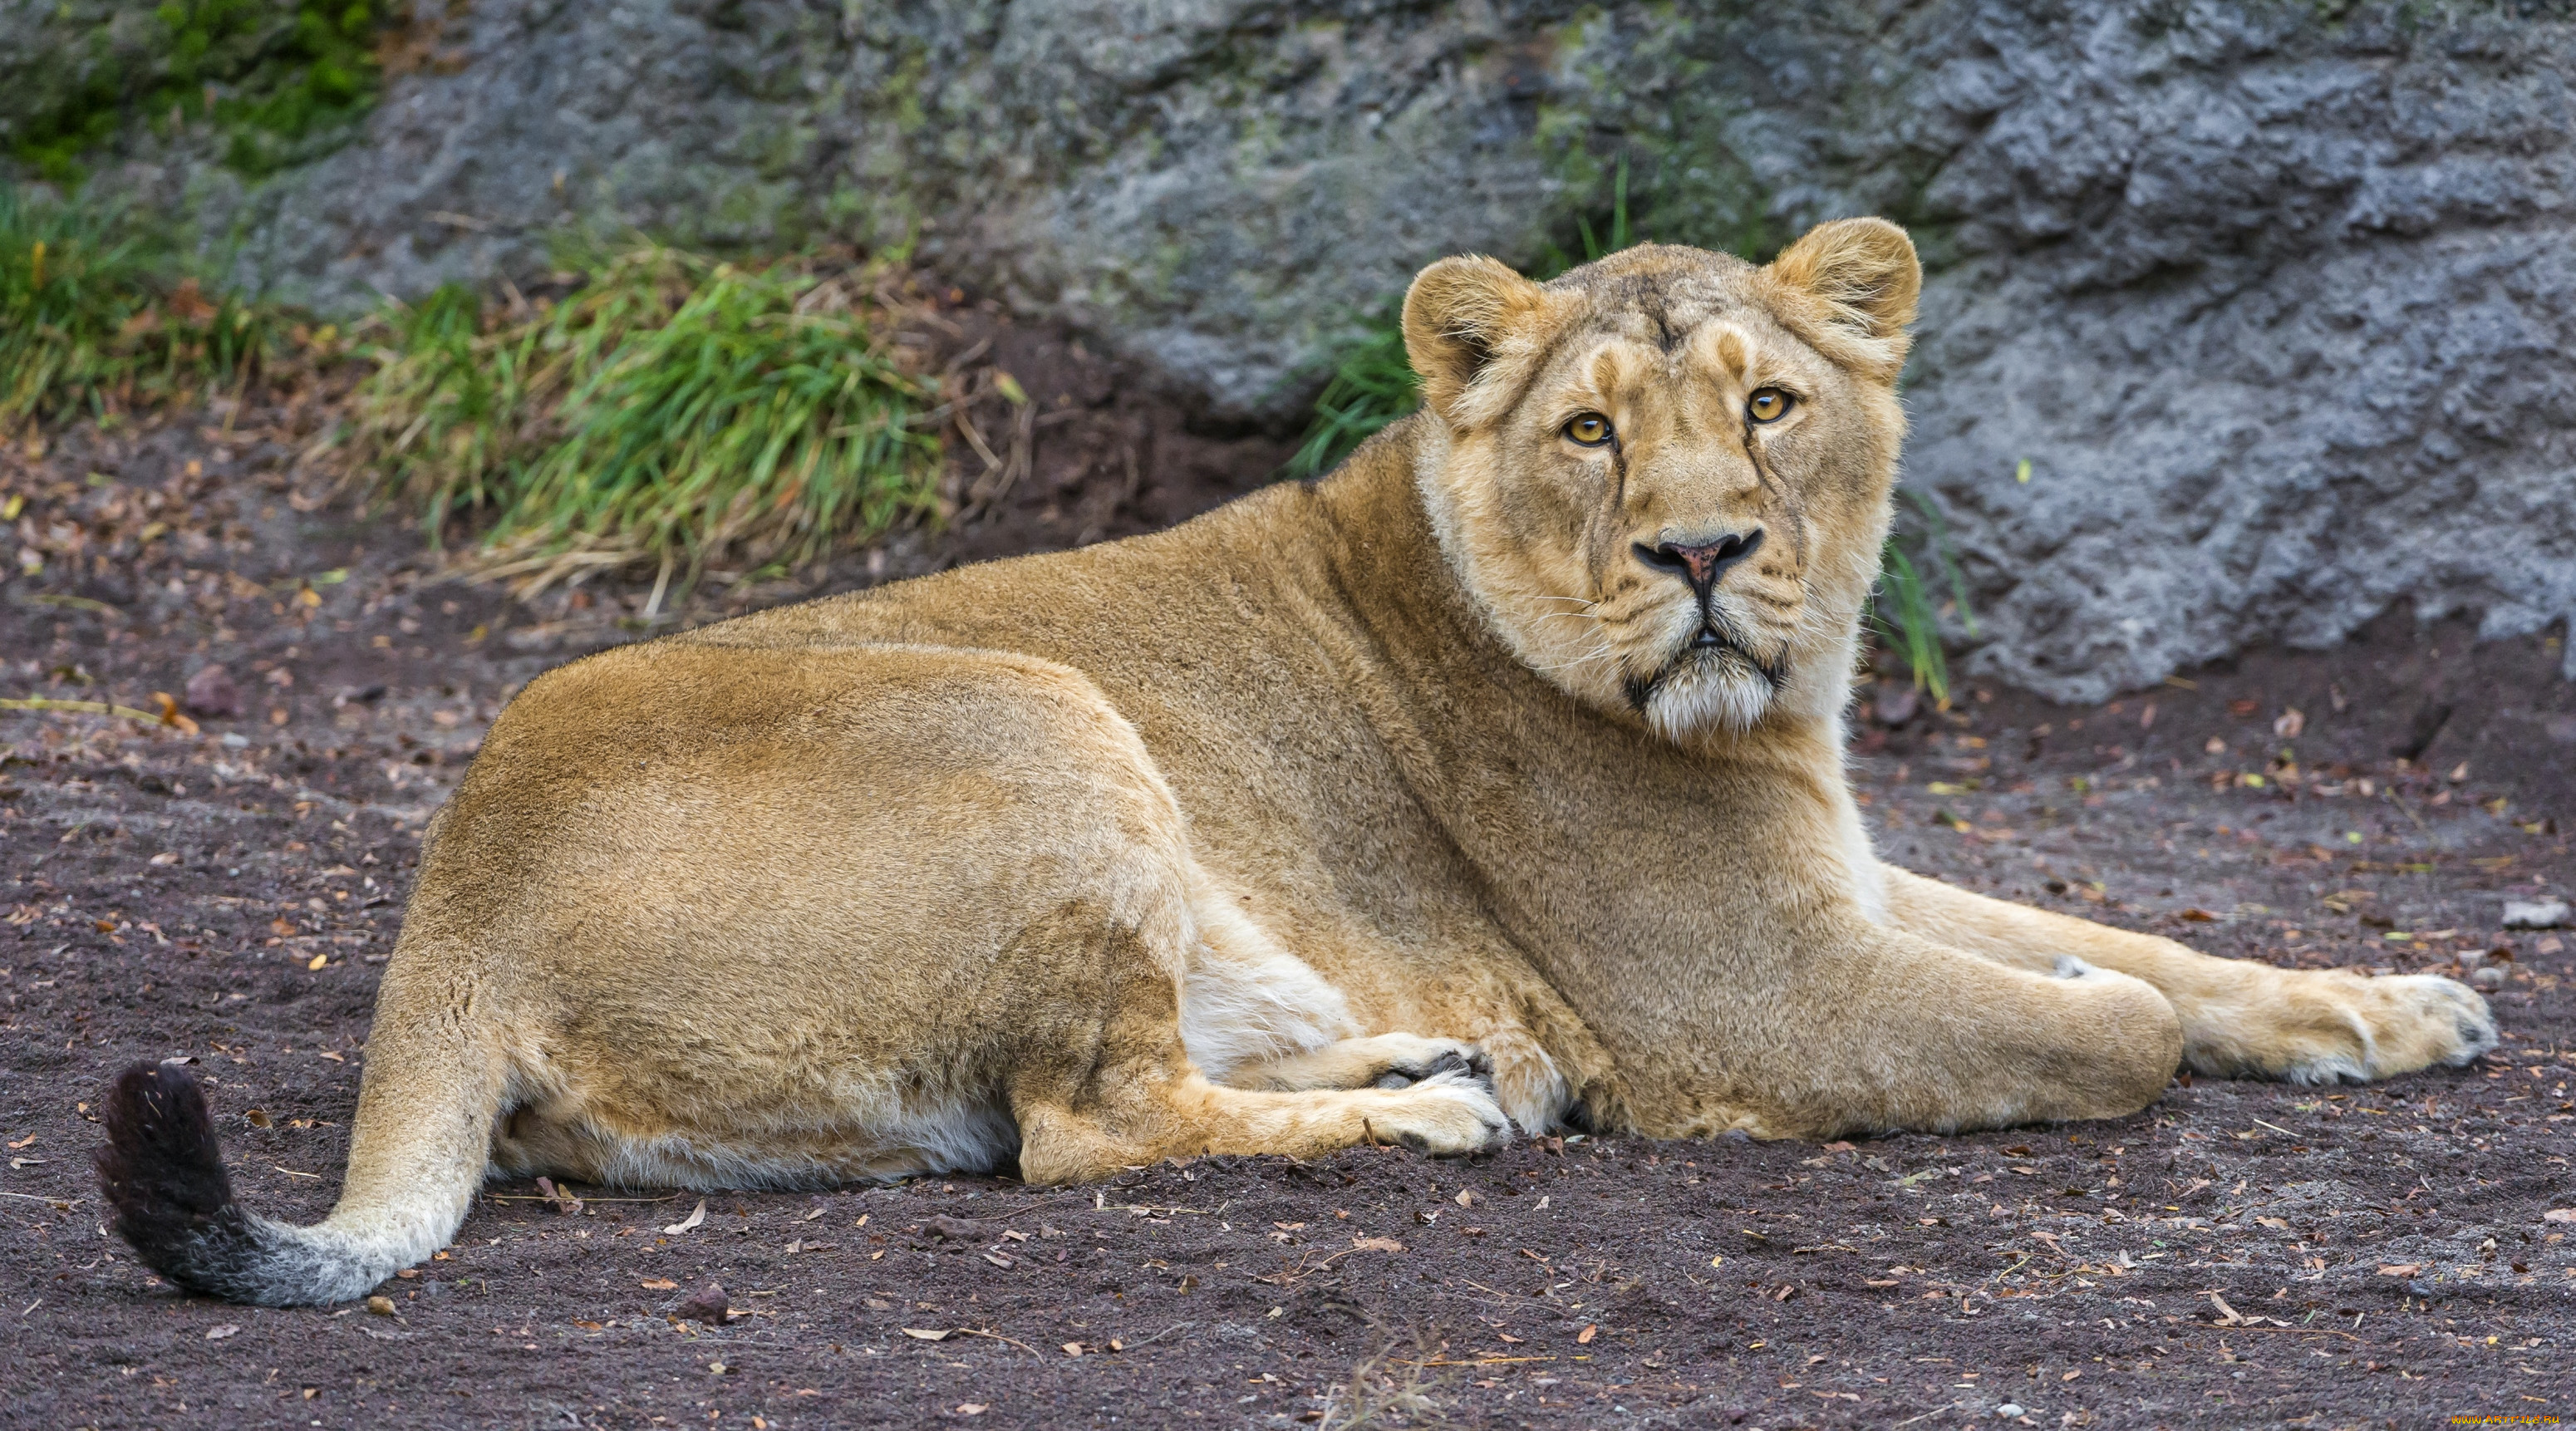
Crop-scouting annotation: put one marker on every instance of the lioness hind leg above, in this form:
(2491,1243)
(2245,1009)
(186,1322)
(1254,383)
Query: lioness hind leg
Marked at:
(1390,1061)
(1450,1114)
(1124,1090)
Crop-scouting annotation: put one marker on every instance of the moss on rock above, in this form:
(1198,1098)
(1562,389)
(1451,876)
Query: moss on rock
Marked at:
(264,81)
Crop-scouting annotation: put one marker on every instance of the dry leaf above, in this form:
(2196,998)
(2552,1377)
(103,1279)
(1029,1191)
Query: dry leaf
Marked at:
(660,1284)
(917,1334)
(698,1215)
(2400,1269)
(1585,1336)
(258,1119)
(317,961)
(170,715)
(560,1199)
(972,1408)
(216,1334)
(998,1259)
(381,1306)
(1073,1348)
(1465,1198)
(1376,1244)
(2559,1214)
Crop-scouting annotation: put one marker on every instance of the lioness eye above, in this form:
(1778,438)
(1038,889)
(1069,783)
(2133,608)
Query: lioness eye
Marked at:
(1589,430)
(1767,404)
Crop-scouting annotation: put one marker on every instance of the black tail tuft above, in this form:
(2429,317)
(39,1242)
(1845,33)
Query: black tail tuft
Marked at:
(161,1169)
(164,1175)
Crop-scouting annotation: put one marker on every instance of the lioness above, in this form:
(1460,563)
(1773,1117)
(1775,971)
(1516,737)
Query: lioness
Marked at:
(1496,779)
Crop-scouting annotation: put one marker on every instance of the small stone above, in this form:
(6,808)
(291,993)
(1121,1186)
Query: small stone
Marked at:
(2008,1411)
(381,1305)
(2534,913)
(211,692)
(1896,703)
(2487,979)
(707,1304)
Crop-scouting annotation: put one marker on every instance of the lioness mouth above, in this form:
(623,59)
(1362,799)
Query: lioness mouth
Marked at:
(1714,637)
(1710,646)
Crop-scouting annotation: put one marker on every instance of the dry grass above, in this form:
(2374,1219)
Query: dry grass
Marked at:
(1390,1387)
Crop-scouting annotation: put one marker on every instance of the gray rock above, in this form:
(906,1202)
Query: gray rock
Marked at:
(2272,303)
(2535,913)
(211,693)
(708,1304)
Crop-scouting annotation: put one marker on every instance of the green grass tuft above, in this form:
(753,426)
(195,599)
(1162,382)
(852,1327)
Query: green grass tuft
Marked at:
(673,411)
(1905,609)
(1372,386)
(94,320)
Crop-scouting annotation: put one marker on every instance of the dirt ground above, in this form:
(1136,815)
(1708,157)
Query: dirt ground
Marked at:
(2238,1255)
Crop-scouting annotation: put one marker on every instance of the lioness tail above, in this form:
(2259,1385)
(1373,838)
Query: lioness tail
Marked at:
(411,1178)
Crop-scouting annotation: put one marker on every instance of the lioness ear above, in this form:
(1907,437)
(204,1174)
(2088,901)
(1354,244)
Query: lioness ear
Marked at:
(1457,315)
(1862,278)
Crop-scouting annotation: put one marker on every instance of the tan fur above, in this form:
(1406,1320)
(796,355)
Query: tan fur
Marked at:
(1179,844)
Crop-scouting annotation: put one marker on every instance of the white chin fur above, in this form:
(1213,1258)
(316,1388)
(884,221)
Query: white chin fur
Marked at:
(1720,693)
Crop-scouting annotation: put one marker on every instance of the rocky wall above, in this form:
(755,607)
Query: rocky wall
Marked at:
(2272,297)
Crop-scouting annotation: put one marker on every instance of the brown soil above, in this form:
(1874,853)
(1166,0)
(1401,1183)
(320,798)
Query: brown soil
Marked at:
(229,897)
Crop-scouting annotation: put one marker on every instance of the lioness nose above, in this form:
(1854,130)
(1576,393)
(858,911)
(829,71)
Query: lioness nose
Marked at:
(1701,564)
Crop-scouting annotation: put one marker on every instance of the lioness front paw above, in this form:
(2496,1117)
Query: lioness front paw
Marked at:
(2337,1027)
(1447,1115)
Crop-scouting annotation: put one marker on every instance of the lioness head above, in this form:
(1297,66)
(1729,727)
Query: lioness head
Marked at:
(1665,475)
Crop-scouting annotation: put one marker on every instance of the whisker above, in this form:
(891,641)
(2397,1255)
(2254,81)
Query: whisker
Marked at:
(1598,653)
